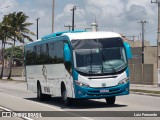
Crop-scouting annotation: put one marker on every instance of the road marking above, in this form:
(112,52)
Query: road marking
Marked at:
(5,109)
(8,110)
(87,118)
(47,106)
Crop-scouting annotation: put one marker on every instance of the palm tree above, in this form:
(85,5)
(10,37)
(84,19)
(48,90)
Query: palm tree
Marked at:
(18,30)
(3,38)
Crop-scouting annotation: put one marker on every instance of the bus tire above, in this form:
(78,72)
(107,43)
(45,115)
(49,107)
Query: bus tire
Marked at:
(66,101)
(40,95)
(111,100)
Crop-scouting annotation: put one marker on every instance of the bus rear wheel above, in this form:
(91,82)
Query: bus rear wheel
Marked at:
(111,100)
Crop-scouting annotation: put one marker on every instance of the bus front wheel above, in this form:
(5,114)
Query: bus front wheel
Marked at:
(40,95)
(111,100)
(39,92)
(65,99)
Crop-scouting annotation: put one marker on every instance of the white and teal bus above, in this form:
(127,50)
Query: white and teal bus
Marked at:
(78,65)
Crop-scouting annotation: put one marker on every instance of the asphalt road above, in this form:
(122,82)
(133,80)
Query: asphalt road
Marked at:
(14,96)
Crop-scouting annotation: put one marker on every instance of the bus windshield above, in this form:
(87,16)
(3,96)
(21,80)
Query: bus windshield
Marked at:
(100,60)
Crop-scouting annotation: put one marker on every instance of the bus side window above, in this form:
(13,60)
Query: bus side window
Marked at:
(38,52)
(44,54)
(30,56)
(51,53)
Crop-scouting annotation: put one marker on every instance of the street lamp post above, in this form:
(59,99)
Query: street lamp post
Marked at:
(53,16)
(37,27)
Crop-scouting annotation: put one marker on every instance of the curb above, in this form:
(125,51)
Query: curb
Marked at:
(142,93)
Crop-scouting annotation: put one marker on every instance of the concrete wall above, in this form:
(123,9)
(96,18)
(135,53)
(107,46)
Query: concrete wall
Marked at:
(143,74)
(150,55)
(137,43)
(16,72)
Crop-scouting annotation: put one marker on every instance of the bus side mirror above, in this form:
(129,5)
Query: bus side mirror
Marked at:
(128,50)
(67,54)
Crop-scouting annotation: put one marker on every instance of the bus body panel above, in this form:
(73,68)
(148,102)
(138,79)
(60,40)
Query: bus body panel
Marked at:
(97,82)
(51,84)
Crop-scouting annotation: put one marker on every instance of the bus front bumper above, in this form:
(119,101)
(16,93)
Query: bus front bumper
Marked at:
(97,93)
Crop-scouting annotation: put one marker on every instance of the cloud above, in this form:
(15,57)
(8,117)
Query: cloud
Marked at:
(8,5)
(133,13)
(107,7)
(123,16)
(65,18)
(120,16)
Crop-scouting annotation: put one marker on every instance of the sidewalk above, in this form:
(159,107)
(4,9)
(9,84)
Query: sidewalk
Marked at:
(152,90)
(16,78)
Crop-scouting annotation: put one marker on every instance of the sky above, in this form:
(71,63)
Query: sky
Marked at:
(121,16)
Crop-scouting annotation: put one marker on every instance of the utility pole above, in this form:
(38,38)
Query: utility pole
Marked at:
(143,23)
(53,16)
(73,9)
(158,30)
(37,27)
(158,36)
(69,26)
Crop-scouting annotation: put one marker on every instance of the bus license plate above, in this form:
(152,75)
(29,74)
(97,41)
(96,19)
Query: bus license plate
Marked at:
(104,91)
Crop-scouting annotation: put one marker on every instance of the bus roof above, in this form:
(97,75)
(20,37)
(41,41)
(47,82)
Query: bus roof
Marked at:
(91,35)
(60,33)
(78,35)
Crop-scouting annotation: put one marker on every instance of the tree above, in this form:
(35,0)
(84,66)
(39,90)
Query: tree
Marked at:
(3,38)
(18,30)
(17,54)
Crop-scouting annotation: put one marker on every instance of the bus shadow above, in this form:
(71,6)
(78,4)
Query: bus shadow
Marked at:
(77,104)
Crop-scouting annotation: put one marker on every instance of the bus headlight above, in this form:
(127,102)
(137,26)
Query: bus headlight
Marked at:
(81,84)
(124,81)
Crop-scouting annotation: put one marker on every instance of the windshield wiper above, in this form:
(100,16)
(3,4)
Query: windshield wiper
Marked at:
(108,62)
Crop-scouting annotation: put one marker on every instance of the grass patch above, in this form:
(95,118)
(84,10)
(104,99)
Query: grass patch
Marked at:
(145,91)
